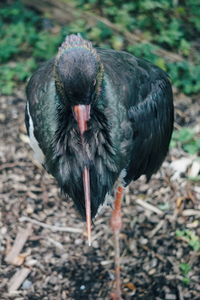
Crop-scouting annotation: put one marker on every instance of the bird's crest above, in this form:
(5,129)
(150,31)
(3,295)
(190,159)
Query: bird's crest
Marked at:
(73,42)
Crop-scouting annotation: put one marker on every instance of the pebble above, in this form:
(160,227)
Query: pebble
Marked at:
(170,297)
(3,230)
(31,262)
(179,253)
(2,117)
(26,284)
(78,241)
(82,287)
(143,241)
(95,244)
(152,271)
(29,209)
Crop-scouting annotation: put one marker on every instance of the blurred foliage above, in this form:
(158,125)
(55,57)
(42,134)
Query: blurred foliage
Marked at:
(23,43)
(189,237)
(187,139)
(185,269)
(28,38)
(170,24)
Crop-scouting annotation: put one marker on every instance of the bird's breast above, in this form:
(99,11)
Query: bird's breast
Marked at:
(70,157)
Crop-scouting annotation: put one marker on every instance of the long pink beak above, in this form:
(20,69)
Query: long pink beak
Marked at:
(82,115)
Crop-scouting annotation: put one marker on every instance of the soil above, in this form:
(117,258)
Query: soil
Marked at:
(60,264)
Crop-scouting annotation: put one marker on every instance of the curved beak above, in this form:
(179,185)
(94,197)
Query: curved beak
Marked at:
(82,115)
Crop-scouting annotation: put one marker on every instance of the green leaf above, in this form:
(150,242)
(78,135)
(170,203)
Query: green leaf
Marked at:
(186,280)
(185,268)
(191,148)
(191,238)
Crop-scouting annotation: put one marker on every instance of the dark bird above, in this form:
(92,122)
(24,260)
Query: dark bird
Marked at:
(98,119)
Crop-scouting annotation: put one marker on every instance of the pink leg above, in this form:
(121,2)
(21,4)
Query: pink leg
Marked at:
(116,224)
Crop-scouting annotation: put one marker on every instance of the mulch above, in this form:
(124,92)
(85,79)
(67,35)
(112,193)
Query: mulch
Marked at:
(44,262)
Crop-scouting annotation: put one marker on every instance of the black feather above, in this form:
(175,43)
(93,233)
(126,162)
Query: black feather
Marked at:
(131,118)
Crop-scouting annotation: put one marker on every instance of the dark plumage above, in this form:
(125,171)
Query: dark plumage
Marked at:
(131,118)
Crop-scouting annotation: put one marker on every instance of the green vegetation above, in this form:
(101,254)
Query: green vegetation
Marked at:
(22,45)
(190,237)
(172,25)
(187,139)
(26,40)
(185,269)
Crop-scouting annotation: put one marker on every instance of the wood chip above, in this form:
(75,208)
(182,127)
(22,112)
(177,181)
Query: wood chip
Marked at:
(13,256)
(181,297)
(179,202)
(106,262)
(149,206)
(191,212)
(17,279)
(24,138)
(195,169)
(194,224)
(156,229)
(51,227)
(55,243)
(180,166)
(130,286)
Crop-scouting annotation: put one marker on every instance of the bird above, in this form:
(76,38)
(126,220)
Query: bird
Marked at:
(97,120)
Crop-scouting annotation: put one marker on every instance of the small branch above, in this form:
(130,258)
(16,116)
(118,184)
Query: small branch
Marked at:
(191,212)
(55,243)
(12,165)
(156,229)
(17,279)
(13,255)
(148,250)
(51,227)
(180,291)
(150,207)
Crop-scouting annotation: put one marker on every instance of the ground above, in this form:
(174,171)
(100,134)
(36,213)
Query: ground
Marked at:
(159,259)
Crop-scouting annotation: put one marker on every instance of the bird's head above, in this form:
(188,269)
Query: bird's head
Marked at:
(78,78)
(78,71)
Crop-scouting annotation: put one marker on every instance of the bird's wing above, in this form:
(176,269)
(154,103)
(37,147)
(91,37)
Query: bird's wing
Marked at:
(40,115)
(145,100)
(152,123)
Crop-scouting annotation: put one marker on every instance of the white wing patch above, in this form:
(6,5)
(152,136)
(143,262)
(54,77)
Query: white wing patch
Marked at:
(107,202)
(38,154)
(109,199)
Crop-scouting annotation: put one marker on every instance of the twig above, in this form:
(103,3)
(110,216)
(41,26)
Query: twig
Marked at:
(191,212)
(156,229)
(180,292)
(13,256)
(55,243)
(12,165)
(149,207)
(17,279)
(160,257)
(106,262)
(51,227)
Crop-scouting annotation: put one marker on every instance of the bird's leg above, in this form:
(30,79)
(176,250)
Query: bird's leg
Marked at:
(116,224)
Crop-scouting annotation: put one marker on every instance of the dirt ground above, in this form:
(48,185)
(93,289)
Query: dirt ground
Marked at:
(56,264)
